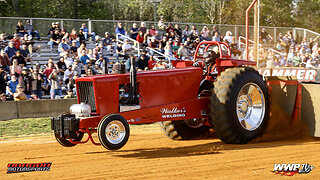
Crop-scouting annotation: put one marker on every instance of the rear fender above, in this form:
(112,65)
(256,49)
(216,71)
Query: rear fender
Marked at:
(223,64)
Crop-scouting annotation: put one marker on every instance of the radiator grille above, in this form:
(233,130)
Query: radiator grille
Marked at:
(86,94)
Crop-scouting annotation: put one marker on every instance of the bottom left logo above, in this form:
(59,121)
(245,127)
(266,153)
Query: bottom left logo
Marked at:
(27,167)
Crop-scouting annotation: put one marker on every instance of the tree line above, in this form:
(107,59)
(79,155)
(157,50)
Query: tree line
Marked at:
(283,13)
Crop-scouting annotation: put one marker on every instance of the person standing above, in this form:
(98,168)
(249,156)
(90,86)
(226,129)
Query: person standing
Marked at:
(134,31)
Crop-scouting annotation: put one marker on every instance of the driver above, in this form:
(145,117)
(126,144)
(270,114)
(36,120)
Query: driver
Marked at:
(209,59)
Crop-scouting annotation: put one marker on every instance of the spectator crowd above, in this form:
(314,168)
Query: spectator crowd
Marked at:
(21,78)
(292,53)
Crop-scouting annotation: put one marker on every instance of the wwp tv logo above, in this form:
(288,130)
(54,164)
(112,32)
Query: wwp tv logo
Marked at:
(292,169)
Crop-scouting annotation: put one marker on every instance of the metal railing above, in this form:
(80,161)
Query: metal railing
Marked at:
(161,54)
(250,41)
(121,38)
(8,24)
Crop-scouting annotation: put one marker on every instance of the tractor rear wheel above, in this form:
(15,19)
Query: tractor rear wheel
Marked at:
(240,105)
(180,130)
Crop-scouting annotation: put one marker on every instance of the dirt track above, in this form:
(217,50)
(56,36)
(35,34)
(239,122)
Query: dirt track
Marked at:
(151,155)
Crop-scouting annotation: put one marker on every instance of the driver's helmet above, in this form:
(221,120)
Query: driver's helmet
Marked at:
(210,56)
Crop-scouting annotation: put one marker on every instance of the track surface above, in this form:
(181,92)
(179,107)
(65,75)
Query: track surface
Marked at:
(150,155)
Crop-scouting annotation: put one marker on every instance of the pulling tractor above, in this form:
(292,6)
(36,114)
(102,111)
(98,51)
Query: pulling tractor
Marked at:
(212,91)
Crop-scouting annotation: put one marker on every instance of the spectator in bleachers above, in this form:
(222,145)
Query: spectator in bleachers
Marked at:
(73,36)
(63,47)
(26,54)
(270,59)
(73,48)
(153,30)
(107,42)
(69,73)
(234,48)
(140,37)
(194,32)
(3,97)
(177,31)
(81,37)
(54,39)
(142,63)
(161,24)
(69,94)
(183,52)
(162,44)
(189,43)
(214,31)
(265,37)
(64,34)
(78,67)
(228,37)
(147,38)
(90,55)
(97,51)
(51,29)
(15,68)
(134,31)
(20,29)
(99,64)
(36,84)
(12,86)
(84,58)
(10,49)
(186,33)
(16,41)
(27,40)
(21,60)
(169,29)
(4,60)
(80,49)
(61,65)
(3,41)
(120,30)
(157,37)
(160,65)
(47,71)
(216,37)
(143,27)
(56,84)
(205,33)
(312,41)
(30,30)
(87,34)
(153,44)
(2,80)
(26,81)
(67,60)
(19,95)
(120,52)
(168,50)
(126,47)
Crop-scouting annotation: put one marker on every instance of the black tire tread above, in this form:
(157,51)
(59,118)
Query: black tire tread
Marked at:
(179,130)
(223,127)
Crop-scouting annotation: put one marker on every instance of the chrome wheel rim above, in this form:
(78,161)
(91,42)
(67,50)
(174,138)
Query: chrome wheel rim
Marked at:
(250,106)
(115,132)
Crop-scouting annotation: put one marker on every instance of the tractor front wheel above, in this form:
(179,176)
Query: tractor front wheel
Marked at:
(113,131)
(240,105)
(66,143)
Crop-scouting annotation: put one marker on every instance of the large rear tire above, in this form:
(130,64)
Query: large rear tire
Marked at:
(240,105)
(179,130)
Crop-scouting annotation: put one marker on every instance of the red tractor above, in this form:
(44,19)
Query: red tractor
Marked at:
(212,91)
